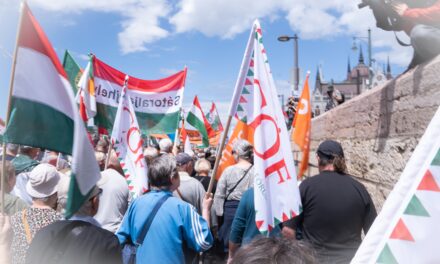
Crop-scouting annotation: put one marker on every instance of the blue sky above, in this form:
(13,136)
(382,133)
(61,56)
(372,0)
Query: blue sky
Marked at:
(151,39)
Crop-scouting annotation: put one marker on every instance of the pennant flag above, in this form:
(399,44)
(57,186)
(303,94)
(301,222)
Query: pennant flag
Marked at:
(196,121)
(407,229)
(86,96)
(157,103)
(186,143)
(127,141)
(43,111)
(241,131)
(276,191)
(73,70)
(303,127)
(214,119)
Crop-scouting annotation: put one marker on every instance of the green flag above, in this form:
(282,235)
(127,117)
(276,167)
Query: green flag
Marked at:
(72,69)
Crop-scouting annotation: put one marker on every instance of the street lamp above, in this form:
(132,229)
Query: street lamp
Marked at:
(370,55)
(285,38)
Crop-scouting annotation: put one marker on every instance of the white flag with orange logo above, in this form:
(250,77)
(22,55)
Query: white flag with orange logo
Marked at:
(276,191)
(127,141)
(302,125)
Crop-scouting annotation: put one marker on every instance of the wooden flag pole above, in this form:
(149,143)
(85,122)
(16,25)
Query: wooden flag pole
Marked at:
(219,155)
(109,153)
(8,110)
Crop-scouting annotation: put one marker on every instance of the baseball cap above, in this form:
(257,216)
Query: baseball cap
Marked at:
(330,149)
(182,159)
(43,181)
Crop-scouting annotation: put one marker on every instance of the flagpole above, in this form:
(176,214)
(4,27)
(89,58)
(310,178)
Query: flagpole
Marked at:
(58,161)
(109,152)
(219,155)
(8,109)
(233,106)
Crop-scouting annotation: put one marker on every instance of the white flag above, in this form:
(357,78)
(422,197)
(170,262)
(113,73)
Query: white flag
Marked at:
(276,192)
(127,141)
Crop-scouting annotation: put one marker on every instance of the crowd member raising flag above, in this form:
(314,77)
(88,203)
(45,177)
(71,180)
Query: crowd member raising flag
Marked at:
(73,70)
(214,119)
(196,121)
(407,229)
(43,112)
(255,102)
(127,141)
(302,125)
(157,103)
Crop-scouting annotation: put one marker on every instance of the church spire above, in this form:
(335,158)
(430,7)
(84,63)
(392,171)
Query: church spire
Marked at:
(388,65)
(361,55)
(348,65)
(388,74)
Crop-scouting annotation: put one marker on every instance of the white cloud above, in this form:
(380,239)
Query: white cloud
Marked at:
(143,20)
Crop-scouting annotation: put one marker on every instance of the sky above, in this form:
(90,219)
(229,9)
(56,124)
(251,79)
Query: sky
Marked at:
(151,39)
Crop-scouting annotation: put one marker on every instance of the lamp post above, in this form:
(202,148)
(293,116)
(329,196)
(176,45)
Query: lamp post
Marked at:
(370,54)
(286,38)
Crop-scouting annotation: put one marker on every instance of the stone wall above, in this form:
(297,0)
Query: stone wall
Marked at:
(380,128)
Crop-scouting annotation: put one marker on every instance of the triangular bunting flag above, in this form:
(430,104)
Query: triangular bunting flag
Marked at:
(386,256)
(401,232)
(428,183)
(242,99)
(245,91)
(415,207)
(250,73)
(239,108)
(436,161)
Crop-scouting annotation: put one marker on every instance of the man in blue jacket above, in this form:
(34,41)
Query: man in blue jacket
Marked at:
(176,223)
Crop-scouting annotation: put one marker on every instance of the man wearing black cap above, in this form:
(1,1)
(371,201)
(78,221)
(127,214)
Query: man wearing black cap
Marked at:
(336,208)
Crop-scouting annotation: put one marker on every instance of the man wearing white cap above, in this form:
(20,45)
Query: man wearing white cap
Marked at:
(42,187)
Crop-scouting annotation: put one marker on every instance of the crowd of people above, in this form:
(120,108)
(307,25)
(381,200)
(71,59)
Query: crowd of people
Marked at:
(176,220)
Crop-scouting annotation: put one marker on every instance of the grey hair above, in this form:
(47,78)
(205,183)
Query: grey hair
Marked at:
(243,149)
(202,165)
(166,145)
(161,170)
(12,147)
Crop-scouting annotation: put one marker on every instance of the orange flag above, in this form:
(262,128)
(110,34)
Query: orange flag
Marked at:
(241,131)
(303,120)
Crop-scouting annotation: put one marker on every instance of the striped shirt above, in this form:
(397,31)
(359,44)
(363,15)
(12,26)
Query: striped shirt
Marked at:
(176,222)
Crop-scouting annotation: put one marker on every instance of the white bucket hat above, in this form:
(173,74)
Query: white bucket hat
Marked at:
(43,181)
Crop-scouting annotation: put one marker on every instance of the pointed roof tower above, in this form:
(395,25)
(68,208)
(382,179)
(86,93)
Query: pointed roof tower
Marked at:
(361,55)
(388,74)
(348,69)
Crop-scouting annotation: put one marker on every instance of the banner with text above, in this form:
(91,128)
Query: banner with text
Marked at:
(157,102)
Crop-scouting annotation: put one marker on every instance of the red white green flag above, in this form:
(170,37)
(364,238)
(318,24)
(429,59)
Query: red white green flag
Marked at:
(157,103)
(73,70)
(407,230)
(196,121)
(86,95)
(43,110)
(214,118)
(127,141)
(255,100)
(186,142)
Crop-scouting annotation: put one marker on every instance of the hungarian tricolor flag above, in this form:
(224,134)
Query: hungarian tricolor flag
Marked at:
(214,118)
(157,103)
(127,141)
(407,228)
(86,96)
(186,142)
(196,121)
(43,111)
(303,126)
(255,100)
(73,70)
